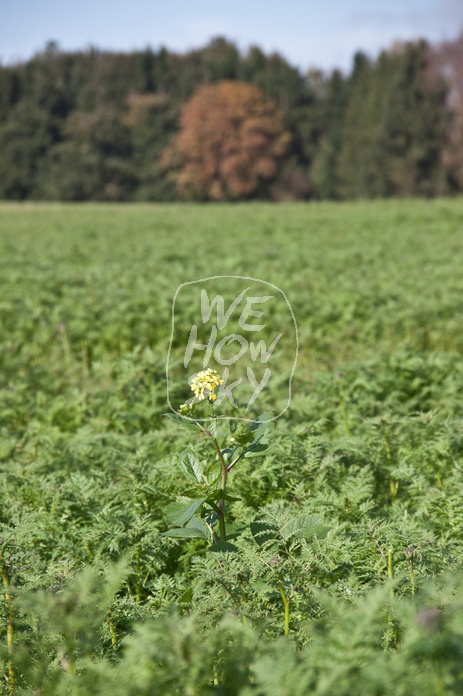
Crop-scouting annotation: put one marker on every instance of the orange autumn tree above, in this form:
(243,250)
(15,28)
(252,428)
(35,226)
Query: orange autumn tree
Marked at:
(231,139)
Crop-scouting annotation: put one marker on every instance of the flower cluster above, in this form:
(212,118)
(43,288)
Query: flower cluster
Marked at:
(204,383)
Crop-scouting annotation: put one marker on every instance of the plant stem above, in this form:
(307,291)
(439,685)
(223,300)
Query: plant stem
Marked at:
(65,345)
(412,576)
(393,485)
(389,570)
(70,649)
(343,410)
(223,483)
(245,599)
(391,617)
(222,528)
(234,461)
(112,628)
(286,603)
(441,690)
(138,577)
(10,628)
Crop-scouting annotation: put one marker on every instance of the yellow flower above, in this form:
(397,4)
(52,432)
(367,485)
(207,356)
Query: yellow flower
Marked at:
(203,384)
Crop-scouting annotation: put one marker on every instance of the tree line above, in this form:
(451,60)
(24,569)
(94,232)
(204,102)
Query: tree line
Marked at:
(216,123)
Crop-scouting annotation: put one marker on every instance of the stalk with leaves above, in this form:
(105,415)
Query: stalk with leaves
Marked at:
(205,516)
(9,623)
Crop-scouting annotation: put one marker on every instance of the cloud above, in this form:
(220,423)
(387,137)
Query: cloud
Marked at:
(329,44)
(372,17)
(436,21)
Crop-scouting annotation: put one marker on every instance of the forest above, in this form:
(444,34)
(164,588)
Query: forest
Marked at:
(217,123)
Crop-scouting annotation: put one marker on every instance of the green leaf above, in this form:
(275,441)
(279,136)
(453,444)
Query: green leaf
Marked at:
(191,466)
(228,453)
(198,524)
(192,554)
(263,532)
(183,532)
(305,526)
(255,450)
(262,424)
(235,530)
(266,421)
(214,473)
(220,495)
(212,427)
(242,435)
(180,512)
(223,546)
(264,588)
(186,423)
(233,425)
(186,596)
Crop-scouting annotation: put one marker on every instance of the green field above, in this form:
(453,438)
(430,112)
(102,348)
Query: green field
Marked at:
(345,571)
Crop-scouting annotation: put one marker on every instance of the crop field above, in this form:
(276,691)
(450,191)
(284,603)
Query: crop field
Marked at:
(332,564)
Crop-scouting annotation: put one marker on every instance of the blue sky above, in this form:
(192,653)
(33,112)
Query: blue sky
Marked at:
(315,33)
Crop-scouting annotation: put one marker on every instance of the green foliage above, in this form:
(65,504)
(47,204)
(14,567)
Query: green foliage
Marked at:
(92,125)
(393,130)
(341,571)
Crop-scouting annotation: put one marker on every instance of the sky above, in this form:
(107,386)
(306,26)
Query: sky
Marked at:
(312,34)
